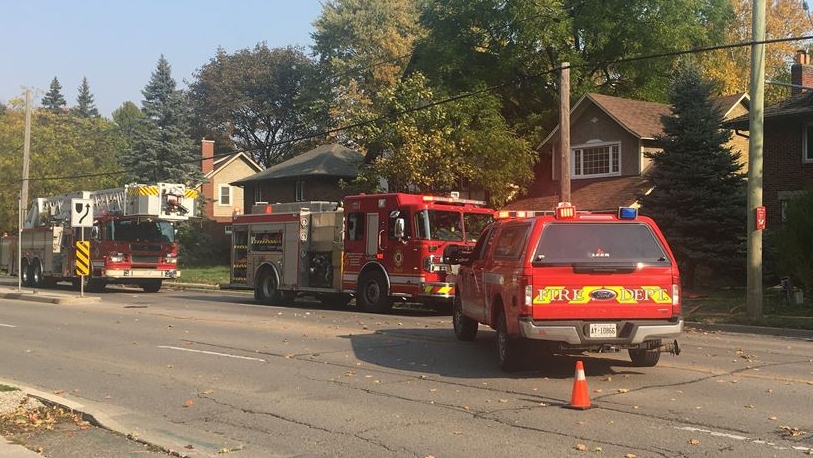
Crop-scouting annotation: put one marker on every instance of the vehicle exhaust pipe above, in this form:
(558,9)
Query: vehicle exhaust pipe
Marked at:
(670,347)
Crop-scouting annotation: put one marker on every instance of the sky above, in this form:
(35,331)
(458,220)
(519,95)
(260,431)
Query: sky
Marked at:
(116,44)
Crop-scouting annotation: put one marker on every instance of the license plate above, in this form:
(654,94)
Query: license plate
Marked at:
(602,330)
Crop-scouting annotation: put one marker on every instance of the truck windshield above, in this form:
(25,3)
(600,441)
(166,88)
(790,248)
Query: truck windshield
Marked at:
(598,243)
(141,231)
(450,225)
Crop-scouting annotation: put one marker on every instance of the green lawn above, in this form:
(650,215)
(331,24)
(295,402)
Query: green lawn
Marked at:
(209,275)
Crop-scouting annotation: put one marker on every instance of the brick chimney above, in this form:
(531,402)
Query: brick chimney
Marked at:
(801,72)
(207,153)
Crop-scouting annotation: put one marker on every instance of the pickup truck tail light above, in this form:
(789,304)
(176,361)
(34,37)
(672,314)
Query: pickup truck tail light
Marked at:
(676,308)
(527,289)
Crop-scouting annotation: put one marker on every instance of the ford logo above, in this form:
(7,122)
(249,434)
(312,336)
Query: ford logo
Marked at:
(603,294)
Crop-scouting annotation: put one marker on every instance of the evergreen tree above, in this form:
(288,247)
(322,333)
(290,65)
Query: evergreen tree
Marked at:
(161,148)
(85,107)
(54,100)
(698,197)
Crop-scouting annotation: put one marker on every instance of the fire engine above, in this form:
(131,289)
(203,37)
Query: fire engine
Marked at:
(571,282)
(378,248)
(131,241)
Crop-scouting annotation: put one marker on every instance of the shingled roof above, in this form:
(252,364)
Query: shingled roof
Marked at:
(799,105)
(326,160)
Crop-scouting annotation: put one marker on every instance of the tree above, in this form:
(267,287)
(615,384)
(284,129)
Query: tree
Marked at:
(794,241)
(161,148)
(698,191)
(732,66)
(260,98)
(85,108)
(432,147)
(53,99)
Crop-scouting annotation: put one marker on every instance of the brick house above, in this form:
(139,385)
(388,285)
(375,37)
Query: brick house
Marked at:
(313,175)
(219,198)
(787,162)
(608,137)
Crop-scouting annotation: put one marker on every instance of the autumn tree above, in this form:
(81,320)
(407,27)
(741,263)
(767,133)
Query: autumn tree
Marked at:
(434,147)
(698,195)
(85,107)
(731,66)
(161,148)
(53,99)
(259,98)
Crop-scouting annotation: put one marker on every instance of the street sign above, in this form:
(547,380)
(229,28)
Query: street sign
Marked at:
(81,213)
(760,218)
(82,257)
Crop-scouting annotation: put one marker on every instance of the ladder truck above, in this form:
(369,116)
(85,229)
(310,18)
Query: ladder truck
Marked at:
(131,241)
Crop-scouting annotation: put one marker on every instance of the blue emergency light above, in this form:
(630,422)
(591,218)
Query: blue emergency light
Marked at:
(627,213)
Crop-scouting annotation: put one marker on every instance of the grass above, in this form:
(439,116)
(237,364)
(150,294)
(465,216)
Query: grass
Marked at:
(208,275)
(7,388)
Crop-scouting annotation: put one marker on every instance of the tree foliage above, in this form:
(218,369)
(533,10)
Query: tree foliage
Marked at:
(53,99)
(259,98)
(794,241)
(161,148)
(85,107)
(429,147)
(698,195)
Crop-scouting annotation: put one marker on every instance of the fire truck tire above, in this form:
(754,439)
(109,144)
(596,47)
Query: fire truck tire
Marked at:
(267,290)
(36,274)
(153,286)
(465,328)
(335,300)
(25,273)
(92,285)
(509,351)
(645,358)
(371,294)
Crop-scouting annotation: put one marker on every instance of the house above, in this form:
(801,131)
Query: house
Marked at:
(220,199)
(609,139)
(787,151)
(313,175)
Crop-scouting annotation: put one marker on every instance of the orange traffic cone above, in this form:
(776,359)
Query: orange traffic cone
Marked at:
(580,399)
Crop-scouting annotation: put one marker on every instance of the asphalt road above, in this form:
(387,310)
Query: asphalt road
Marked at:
(211,372)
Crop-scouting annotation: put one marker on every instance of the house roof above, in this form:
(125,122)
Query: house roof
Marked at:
(224,162)
(799,105)
(596,194)
(326,160)
(640,118)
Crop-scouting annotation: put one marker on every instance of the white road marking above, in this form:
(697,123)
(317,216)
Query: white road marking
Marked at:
(213,353)
(742,438)
(7,325)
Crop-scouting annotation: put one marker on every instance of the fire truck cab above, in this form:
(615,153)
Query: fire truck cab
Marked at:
(571,282)
(378,248)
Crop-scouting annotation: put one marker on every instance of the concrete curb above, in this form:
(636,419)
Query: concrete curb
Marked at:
(757,330)
(46,296)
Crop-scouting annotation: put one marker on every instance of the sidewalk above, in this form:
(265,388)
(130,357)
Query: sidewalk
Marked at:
(49,296)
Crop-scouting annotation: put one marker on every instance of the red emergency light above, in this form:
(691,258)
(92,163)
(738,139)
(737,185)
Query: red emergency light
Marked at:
(565,211)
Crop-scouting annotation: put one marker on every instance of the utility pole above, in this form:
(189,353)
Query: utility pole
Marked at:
(26,149)
(564,132)
(756,119)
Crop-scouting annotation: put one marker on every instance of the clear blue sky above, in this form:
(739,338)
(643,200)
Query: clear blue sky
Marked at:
(116,44)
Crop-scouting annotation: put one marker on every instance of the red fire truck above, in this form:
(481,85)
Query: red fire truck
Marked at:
(131,241)
(377,248)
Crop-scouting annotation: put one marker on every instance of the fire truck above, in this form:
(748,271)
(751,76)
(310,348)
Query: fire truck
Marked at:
(131,241)
(378,248)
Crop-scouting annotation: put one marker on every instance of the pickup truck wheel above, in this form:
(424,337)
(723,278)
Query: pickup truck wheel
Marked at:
(645,358)
(465,328)
(508,348)
(371,295)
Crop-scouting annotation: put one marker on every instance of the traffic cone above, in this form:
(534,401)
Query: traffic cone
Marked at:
(580,398)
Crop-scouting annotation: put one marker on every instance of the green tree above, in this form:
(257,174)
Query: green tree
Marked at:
(794,241)
(53,99)
(85,107)
(161,148)
(698,196)
(435,147)
(260,98)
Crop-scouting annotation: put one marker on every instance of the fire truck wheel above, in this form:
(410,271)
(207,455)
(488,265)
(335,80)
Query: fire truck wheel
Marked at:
(465,328)
(266,290)
(508,347)
(25,273)
(372,293)
(645,358)
(335,300)
(36,274)
(92,285)
(152,287)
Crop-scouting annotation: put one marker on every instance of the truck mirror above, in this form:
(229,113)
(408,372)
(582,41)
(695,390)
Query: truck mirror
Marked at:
(399,228)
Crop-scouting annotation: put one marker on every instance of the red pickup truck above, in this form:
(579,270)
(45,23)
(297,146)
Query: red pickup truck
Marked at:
(571,282)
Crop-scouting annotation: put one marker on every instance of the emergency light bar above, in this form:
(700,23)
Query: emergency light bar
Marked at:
(627,213)
(503,214)
(565,211)
(452,200)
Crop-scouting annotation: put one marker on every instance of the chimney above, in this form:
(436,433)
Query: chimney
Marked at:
(207,152)
(801,73)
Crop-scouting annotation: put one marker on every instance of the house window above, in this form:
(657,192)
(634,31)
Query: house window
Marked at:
(300,190)
(224,197)
(807,144)
(590,161)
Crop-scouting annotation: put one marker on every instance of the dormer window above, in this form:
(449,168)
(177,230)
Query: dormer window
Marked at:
(596,160)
